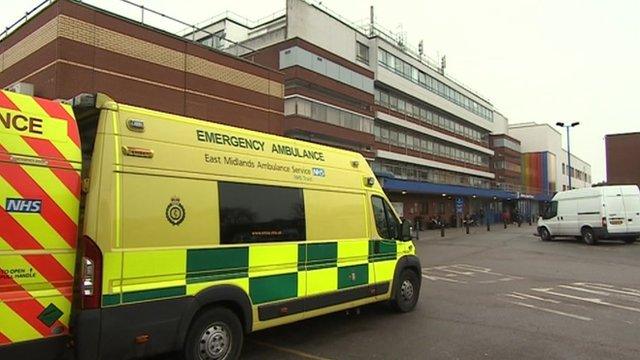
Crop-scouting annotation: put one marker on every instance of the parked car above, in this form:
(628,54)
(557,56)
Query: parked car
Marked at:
(606,212)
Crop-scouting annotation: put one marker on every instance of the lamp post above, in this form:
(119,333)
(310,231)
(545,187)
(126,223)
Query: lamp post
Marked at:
(568,126)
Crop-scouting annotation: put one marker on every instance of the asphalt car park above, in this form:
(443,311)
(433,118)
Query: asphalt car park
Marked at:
(502,294)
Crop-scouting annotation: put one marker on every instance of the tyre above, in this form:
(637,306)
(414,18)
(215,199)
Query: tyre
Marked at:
(407,291)
(588,236)
(630,240)
(544,234)
(215,334)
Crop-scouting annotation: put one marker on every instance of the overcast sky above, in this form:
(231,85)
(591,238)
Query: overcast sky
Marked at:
(536,60)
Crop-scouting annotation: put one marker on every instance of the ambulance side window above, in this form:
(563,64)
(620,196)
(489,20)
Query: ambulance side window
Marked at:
(258,213)
(386,222)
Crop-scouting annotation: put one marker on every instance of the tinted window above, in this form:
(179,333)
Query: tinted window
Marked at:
(380,217)
(392,222)
(257,213)
(552,210)
(386,222)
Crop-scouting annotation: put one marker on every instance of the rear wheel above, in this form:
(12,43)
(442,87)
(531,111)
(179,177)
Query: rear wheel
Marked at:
(407,291)
(630,240)
(588,236)
(216,334)
(544,234)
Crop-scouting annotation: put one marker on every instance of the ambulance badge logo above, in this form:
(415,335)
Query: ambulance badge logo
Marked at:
(175,211)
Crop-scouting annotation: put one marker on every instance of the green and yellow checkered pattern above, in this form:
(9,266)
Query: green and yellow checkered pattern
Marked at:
(266,272)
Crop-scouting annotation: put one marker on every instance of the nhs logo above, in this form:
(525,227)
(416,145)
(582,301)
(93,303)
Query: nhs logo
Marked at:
(318,172)
(23,205)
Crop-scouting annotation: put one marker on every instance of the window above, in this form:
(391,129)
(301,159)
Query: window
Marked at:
(552,210)
(258,213)
(393,136)
(386,222)
(563,170)
(362,52)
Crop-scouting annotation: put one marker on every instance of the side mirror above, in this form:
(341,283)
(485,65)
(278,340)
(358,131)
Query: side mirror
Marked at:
(405,231)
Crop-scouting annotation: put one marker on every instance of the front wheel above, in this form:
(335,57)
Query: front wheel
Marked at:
(544,234)
(407,291)
(216,334)
(588,236)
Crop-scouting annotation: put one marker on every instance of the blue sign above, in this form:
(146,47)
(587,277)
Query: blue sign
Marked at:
(459,205)
(23,205)
(318,172)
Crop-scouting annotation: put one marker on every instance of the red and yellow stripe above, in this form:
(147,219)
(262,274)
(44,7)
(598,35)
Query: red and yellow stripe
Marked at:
(45,167)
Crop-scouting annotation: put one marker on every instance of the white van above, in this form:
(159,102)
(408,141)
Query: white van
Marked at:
(605,212)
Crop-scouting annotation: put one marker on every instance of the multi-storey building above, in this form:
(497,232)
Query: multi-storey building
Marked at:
(623,163)
(70,47)
(358,87)
(439,149)
(547,162)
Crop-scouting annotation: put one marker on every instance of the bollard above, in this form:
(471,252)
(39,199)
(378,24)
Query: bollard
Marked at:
(519,223)
(488,226)
(466,225)
(505,224)
(441,230)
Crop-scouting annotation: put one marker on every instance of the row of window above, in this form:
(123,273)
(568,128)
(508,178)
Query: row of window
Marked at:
(419,142)
(308,60)
(506,165)
(577,174)
(421,173)
(507,143)
(421,112)
(432,84)
(328,114)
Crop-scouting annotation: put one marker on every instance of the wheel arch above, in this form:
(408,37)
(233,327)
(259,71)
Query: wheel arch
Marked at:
(230,296)
(410,262)
(540,227)
(585,226)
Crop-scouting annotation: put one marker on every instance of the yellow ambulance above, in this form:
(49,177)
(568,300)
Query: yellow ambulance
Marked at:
(127,232)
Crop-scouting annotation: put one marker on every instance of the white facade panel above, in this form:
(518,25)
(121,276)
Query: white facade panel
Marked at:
(384,154)
(436,134)
(315,26)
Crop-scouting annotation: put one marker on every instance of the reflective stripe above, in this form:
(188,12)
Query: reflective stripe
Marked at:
(24,305)
(3,339)
(6,103)
(62,131)
(58,111)
(37,246)
(34,224)
(68,176)
(14,327)
(20,180)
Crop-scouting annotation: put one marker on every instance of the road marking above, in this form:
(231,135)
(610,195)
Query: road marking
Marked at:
(604,287)
(590,300)
(290,351)
(516,296)
(435,278)
(467,273)
(584,290)
(574,316)
(536,298)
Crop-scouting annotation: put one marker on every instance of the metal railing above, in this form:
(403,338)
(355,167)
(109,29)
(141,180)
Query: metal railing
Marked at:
(28,14)
(193,28)
(144,11)
(364,26)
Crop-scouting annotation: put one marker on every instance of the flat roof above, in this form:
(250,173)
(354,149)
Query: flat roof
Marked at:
(622,134)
